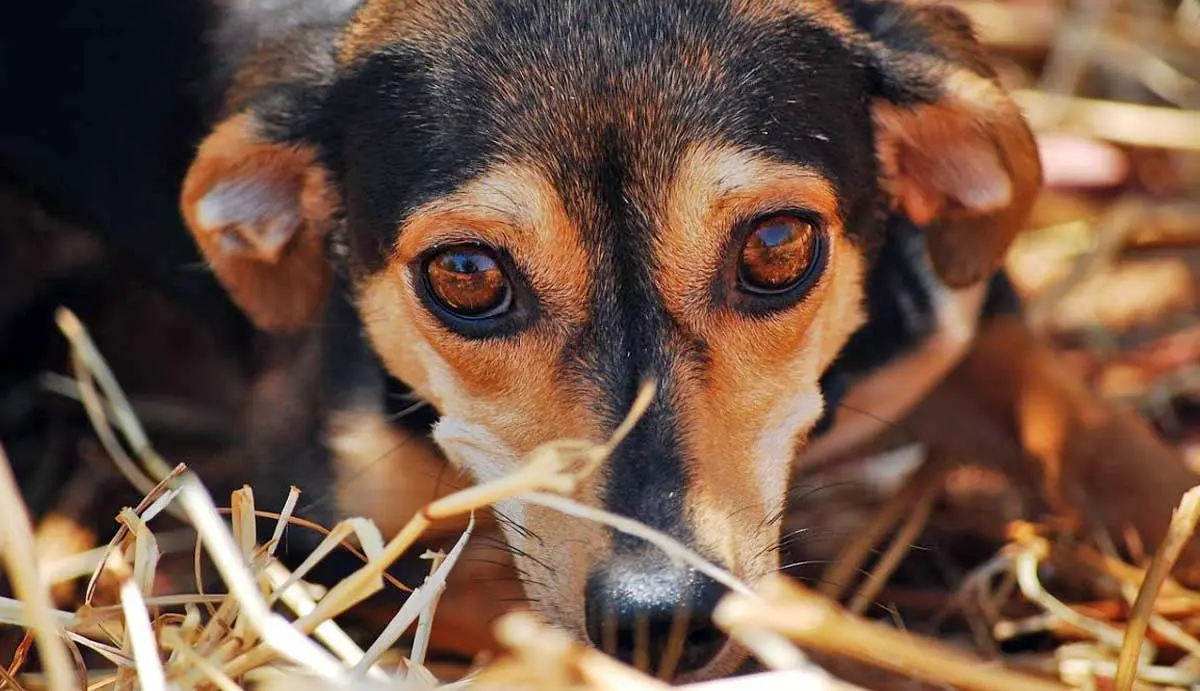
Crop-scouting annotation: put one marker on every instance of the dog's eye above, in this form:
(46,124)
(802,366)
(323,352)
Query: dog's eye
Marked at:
(780,253)
(467,280)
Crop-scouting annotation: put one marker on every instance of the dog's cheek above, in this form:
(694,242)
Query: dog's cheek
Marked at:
(393,323)
(385,473)
(560,553)
(474,448)
(747,429)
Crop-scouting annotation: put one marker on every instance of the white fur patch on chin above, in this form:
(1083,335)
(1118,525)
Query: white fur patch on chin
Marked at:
(472,447)
(776,445)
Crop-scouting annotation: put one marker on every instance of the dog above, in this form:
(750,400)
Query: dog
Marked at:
(517,212)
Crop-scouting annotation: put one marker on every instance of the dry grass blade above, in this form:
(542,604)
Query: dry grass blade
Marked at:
(139,633)
(816,622)
(20,562)
(809,679)
(281,524)
(242,640)
(840,575)
(420,645)
(416,604)
(556,467)
(150,504)
(175,642)
(773,650)
(1123,123)
(672,547)
(15,613)
(918,517)
(554,658)
(131,427)
(274,630)
(1183,525)
(297,599)
(1030,551)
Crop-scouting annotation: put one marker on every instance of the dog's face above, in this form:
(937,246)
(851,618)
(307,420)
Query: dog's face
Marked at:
(543,204)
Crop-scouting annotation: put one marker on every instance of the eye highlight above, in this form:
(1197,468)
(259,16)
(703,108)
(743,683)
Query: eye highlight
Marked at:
(781,253)
(468,282)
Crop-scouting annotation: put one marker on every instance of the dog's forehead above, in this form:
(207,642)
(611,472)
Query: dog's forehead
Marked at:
(442,91)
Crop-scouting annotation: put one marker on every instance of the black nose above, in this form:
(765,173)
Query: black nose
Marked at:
(659,619)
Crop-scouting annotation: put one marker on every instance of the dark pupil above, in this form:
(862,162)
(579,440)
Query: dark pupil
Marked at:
(467,282)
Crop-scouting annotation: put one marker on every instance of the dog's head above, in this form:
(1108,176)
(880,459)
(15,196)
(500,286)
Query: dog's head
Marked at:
(543,203)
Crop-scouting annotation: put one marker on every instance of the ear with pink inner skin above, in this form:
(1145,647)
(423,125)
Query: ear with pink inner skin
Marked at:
(260,210)
(958,158)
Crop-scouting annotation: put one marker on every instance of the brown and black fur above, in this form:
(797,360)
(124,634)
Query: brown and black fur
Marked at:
(606,126)
(615,155)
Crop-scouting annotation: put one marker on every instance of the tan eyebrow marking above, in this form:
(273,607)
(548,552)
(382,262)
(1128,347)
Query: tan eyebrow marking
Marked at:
(511,204)
(713,189)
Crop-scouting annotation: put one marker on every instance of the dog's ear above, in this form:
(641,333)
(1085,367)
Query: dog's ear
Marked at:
(259,210)
(257,199)
(958,158)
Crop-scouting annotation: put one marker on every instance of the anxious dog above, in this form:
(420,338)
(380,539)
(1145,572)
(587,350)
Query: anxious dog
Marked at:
(517,211)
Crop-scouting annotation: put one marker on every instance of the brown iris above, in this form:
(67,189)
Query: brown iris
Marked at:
(467,280)
(780,253)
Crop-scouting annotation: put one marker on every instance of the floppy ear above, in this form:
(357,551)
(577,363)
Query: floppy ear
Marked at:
(260,210)
(958,158)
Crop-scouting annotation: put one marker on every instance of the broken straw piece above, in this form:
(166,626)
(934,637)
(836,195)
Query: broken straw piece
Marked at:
(416,603)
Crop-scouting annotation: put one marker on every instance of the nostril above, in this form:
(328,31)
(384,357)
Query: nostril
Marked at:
(664,647)
(704,642)
(659,621)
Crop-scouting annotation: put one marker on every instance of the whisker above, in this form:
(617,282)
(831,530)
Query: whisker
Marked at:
(521,530)
(493,562)
(744,509)
(795,499)
(532,600)
(509,579)
(407,410)
(794,540)
(884,422)
(499,543)
(805,562)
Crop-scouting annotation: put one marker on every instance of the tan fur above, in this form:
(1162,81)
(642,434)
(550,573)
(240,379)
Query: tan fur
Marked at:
(505,397)
(385,472)
(424,22)
(1016,407)
(387,475)
(511,381)
(727,408)
(745,411)
(280,286)
(509,396)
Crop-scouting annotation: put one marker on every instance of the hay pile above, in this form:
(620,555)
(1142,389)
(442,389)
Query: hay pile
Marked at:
(1110,267)
(268,629)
